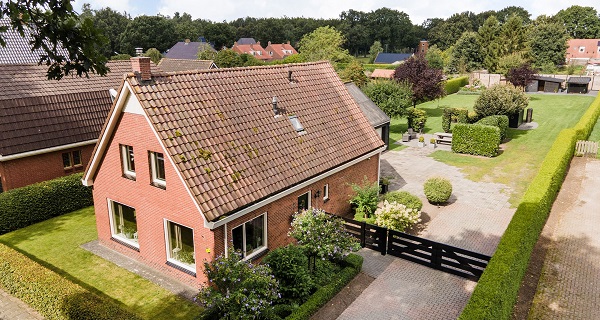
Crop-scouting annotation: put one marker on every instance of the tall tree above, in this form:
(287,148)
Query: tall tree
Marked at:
(354,26)
(488,37)
(221,34)
(426,82)
(393,28)
(581,22)
(513,36)
(184,27)
(445,34)
(325,43)
(548,44)
(435,57)
(375,49)
(113,24)
(466,55)
(505,14)
(355,72)
(148,32)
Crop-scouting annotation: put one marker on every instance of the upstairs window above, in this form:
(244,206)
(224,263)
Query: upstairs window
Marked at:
(72,159)
(157,169)
(128,162)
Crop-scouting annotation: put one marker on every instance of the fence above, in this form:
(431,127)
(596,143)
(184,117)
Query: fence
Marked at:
(429,253)
(586,148)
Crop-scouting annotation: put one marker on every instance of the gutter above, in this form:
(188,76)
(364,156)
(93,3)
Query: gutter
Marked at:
(46,150)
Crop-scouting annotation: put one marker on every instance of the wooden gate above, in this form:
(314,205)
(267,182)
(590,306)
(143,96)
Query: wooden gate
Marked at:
(586,148)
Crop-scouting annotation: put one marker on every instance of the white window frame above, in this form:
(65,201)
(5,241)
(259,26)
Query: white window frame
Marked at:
(265,241)
(326,191)
(581,49)
(155,179)
(309,199)
(126,160)
(113,224)
(168,250)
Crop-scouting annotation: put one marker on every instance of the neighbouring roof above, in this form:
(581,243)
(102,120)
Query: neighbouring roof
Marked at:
(579,80)
(253,49)
(219,128)
(280,50)
(187,50)
(549,79)
(18,49)
(376,116)
(583,48)
(383,73)
(170,65)
(389,58)
(246,41)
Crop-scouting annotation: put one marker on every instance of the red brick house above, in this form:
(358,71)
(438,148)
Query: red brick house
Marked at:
(581,51)
(190,163)
(255,50)
(279,51)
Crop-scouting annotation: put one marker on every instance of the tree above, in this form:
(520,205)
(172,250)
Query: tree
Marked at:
(355,72)
(249,60)
(445,34)
(121,56)
(521,76)
(391,97)
(426,82)
(500,100)
(113,24)
(325,43)
(228,58)
(513,36)
(70,43)
(435,57)
(205,54)
(580,22)
(154,55)
(548,44)
(148,32)
(391,27)
(511,61)
(505,14)
(466,55)
(488,37)
(375,49)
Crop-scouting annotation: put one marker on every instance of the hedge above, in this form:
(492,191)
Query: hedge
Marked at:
(53,296)
(476,139)
(324,294)
(453,85)
(38,202)
(587,122)
(497,121)
(461,115)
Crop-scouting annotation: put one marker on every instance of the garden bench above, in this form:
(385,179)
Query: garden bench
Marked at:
(443,137)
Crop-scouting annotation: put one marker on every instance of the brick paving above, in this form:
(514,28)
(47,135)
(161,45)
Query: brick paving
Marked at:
(12,308)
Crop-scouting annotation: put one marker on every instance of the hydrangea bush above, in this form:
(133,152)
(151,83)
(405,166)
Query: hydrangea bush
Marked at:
(396,216)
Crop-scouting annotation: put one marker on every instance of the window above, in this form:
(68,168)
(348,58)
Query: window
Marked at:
(72,159)
(304,201)
(123,223)
(157,168)
(128,162)
(180,245)
(326,192)
(581,49)
(251,237)
(296,124)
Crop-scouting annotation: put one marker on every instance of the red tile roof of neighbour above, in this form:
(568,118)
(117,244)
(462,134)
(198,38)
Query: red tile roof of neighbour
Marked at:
(280,50)
(253,49)
(383,73)
(219,128)
(172,65)
(590,47)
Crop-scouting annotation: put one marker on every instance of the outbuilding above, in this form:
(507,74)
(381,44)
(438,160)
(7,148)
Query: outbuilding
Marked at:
(544,84)
(578,84)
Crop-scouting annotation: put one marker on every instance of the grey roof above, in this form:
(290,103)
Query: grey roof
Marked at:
(376,117)
(579,80)
(187,50)
(391,57)
(246,41)
(172,65)
(18,49)
(549,79)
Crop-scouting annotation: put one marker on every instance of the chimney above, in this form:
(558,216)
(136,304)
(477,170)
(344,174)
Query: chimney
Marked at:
(187,41)
(141,66)
(269,43)
(258,43)
(288,42)
(139,51)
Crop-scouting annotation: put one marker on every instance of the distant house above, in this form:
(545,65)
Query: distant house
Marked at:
(382,74)
(192,163)
(578,84)
(187,50)
(48,128)
(170,65)
(581,51)
(252,49)
(377,118)
(545,84)
(422,48)
(245,41)
(279,51)
(17,49)
(392,58)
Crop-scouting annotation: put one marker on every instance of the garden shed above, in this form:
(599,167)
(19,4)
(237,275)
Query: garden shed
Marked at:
(578,84)
(544,84)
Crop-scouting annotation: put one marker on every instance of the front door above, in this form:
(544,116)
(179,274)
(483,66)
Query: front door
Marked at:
(304,201)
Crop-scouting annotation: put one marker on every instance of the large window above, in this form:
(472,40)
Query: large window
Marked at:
(251,237)
(180,245)
(72,159)
(123,223)
(157,167)
(128,162)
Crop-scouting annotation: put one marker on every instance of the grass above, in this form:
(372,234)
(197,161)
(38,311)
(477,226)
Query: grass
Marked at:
(55,243)
(523,153)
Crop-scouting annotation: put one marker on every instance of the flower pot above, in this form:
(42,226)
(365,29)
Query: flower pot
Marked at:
(432,145)
(421,144)
(383,188)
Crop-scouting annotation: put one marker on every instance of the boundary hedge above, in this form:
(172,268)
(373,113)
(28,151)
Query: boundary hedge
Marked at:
(496,292)
(41,201)
(500,121)
(476,139)
(453,85)
(53,296)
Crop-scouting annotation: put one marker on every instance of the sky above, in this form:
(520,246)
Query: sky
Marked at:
(228,10)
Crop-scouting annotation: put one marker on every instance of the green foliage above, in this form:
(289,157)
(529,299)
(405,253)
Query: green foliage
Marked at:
(580,22)
(500,100)
(324,294)
(148,32)
(122,56)
(391,97)
(447,32)
(51,295)
(453,85)
(437,190)
(396,216)
(416,119)
(374,50)
(488,36)
(238,289)
(513,36)
(497,121)
(435,58)
(154,55)
(249,60)
(206,54)
(37,202)
(450,115)
(507,62)
(405,198)
(587,122)
(466,55)
(325,43)
(322,235)
(290,267)
(366,197)
(228,58)
(548,44)
(355,72)
(476,139)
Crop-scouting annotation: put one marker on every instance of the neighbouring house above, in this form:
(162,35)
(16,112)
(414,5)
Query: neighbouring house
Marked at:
(252,49)
(423,47)
(382,74)
(580,51)
(173,65)
(578,84)
(245,41)
(377,118)
(191,163)
(188,50)
(391,58)
(279,51)
(48,128)
(544,84)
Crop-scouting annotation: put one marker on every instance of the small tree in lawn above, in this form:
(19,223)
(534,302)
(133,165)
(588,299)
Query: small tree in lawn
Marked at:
(500,100)
(521,76)
(391,97)
(426,82)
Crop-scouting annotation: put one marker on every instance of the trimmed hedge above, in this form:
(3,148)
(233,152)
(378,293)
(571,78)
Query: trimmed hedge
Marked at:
(461,115)
(587,122)
(476,139)
(497,121)
(324,294)
(41,201)
(53,296)
(453,85)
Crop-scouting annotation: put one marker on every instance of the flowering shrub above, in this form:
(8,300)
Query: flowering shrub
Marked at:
(396,216)
(322,235)
(237,289)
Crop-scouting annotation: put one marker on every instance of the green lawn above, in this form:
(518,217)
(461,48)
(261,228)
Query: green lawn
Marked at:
(55,244)
(525,150)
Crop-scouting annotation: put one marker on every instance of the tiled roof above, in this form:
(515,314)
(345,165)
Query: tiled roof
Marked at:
(187,50)
(18,49)
(220,130)
(579,80)
(383,73)
(280,50)
(590,47)
(375,116)
(254,49)
(548,79)
(171,65)
(246,41)
(389,58)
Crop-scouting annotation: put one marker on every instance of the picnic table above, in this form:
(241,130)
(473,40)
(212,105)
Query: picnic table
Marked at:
(443,137)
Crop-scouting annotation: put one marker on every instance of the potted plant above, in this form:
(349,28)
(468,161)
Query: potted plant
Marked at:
(384,183)
(421,143)
(432,143)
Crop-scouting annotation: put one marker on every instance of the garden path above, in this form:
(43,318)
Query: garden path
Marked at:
(12,308)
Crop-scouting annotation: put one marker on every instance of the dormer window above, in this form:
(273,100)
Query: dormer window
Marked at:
(581,49)
(296,124)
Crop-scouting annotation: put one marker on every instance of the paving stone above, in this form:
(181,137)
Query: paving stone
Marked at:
(12,308)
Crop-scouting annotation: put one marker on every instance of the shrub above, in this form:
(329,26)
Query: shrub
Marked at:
(355,72)
(437,190)
(497,121)
(290,267)
(396,216)
(500,100)
(416,118)
(41,201)
(449,115)
(51,295)
(366,197)
(391,97)
(476,139)
(453,85)
(405,198)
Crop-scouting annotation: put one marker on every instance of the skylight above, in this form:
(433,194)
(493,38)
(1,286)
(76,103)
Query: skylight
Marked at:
(296,123)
